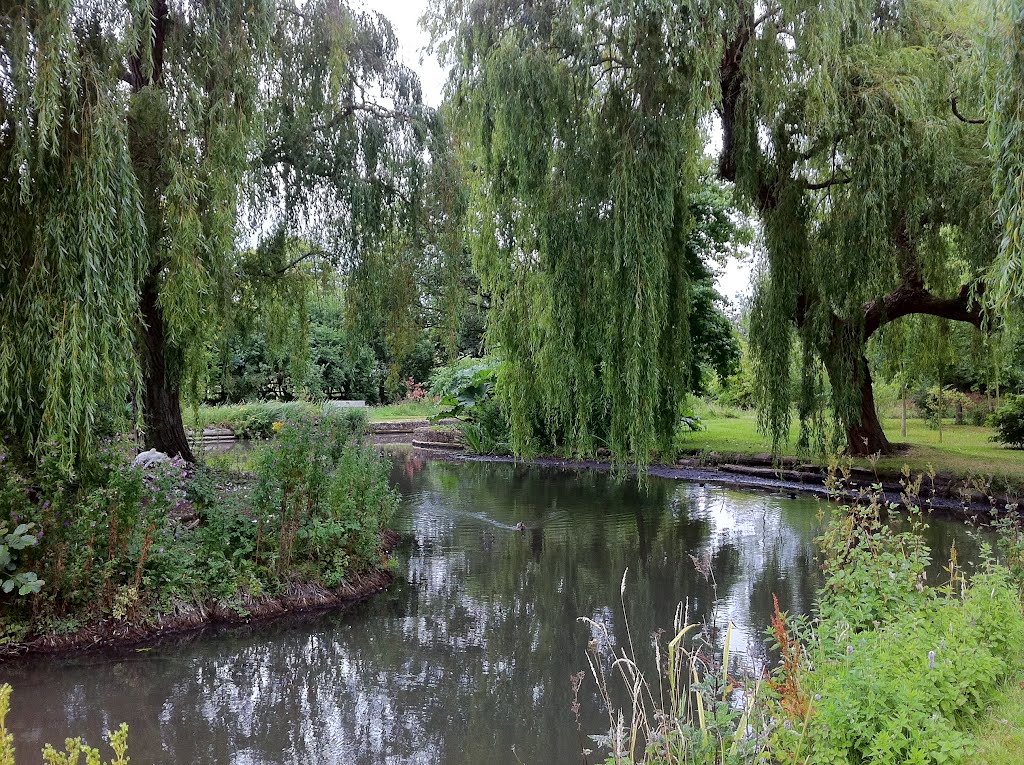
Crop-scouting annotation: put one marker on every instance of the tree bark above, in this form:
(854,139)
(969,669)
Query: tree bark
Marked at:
(866,436)
(161,403)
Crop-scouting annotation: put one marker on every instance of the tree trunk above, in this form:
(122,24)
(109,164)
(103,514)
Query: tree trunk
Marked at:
(866,436)
(161,400)
(903,419)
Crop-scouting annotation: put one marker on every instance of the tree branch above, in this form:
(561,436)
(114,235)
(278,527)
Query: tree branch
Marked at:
(913,298)
(962,118)
(833,181)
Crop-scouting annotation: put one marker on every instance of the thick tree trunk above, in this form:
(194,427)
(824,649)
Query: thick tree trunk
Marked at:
(866,436)
(161,400)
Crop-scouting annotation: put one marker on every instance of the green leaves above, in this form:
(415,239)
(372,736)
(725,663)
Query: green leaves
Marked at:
(13,542)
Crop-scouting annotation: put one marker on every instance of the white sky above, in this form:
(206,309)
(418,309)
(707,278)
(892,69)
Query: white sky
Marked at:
(413,39)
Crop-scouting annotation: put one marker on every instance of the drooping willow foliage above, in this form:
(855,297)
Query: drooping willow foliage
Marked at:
(586,148)
(853,128)
(1006,135)
(160,157)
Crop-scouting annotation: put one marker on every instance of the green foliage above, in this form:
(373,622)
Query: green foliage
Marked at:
(12,543)
(256,419)
(1006,136)
(322,499)
(141,141)
(445,379)
(843,128)
(1008,421)
(909,690)
(874,571)
(897,669)
(16,536)
(591,220)
(127,543)
(467,390)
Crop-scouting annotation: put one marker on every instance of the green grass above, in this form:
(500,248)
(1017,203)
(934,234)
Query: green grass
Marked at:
(1000,733)
(406,410)
(965,450)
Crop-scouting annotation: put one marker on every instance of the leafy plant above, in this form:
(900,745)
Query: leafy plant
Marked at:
(321,501)
(470,388)
(1008,421)
(12,544)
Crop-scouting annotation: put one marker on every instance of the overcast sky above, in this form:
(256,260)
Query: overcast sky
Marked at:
(405,17)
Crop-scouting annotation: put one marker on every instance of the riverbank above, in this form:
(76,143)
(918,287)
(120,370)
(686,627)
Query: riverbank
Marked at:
(147,546)
(195,616)
(964,457)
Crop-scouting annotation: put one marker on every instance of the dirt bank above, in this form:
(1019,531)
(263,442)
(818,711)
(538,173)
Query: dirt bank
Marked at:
(193,616)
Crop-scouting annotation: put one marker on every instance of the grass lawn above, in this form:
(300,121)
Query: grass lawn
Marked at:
(406,410)
(965,449)
(1000,735)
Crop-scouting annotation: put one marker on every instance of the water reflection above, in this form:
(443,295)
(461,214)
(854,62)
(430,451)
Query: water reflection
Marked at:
(470,655)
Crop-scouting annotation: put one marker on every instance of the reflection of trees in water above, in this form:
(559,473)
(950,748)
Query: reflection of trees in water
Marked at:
(472,653)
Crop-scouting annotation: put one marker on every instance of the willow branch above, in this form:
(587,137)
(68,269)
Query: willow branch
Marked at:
(961,117)
(912,298)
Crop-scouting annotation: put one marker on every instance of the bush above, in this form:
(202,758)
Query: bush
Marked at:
(126,542)
(908,691)
(896,669)
(1008,421)
(322,501)
(450,379)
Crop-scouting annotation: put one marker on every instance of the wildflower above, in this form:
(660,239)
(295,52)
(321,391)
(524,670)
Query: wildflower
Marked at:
(817,697)
(931,660)
(849,650)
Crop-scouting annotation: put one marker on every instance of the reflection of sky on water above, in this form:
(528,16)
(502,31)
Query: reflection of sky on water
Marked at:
(471,653)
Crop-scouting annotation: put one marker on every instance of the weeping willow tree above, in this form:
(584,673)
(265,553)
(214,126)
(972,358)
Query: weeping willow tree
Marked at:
(585,155)
(141,142)
(1006,135)
(855,129)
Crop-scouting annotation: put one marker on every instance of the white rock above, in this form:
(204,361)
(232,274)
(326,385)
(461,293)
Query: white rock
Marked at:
(149,458)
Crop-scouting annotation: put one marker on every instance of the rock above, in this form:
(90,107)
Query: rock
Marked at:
(149,458)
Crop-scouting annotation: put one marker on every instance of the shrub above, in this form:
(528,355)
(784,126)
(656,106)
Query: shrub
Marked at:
(1008,421)
(447,379)
(896,669)
(907,692)
(321,501)
(128,542)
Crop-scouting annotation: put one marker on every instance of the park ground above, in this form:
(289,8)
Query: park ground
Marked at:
(965,452)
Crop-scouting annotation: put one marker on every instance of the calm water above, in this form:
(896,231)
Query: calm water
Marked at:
(470,654)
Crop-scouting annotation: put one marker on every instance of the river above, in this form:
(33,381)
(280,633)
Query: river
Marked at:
(468,657)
